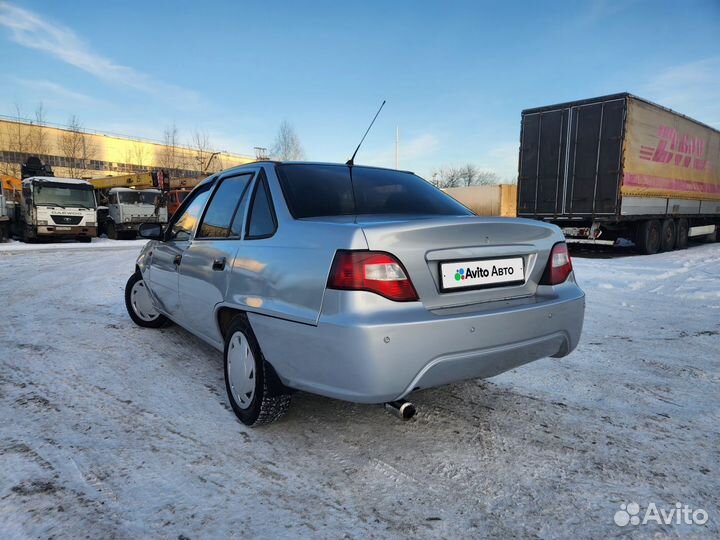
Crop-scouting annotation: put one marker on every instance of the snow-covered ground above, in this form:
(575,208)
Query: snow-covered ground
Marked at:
(110,430)
(97,243)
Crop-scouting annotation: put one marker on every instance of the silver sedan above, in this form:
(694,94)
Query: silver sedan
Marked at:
(357,283)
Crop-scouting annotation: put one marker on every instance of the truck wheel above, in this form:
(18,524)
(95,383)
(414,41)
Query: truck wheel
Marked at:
(111,231)
(667,236)
(648,237)
(139,304)
(682,230)
(255,394)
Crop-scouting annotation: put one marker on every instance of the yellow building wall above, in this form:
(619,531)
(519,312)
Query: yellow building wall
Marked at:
(112,155)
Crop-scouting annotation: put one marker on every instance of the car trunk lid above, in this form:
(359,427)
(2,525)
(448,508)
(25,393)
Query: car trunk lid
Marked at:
(428,245)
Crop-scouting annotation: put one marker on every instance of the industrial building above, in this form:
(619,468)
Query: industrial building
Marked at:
(86,154)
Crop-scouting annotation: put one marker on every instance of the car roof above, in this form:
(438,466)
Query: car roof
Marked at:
(310,163)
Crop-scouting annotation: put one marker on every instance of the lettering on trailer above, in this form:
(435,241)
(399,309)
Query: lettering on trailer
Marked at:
(680,150)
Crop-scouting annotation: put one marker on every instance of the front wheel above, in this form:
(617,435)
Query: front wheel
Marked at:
(255,395)
(140,306)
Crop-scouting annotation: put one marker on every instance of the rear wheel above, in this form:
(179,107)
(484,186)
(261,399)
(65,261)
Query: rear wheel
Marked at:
(681,235)
(648,236)
(255,394)
(667,236)
(140,306)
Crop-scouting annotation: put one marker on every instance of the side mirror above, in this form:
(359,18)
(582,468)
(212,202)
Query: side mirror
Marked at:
(151,231)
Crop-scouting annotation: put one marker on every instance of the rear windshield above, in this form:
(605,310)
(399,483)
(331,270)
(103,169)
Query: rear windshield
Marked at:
(327,190)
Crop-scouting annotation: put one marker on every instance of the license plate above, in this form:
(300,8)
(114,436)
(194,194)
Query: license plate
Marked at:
(63,228)
(481,273)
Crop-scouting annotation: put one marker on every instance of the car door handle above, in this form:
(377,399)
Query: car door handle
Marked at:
(177,260)
(219,264)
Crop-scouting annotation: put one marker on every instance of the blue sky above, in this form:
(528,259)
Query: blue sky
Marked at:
(455,74)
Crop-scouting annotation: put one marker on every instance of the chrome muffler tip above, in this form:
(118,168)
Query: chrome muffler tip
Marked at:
(404,410)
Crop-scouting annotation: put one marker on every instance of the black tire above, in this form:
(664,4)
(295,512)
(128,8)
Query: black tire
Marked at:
(111,231)
(712,237)
(146,320)
(667,235)
(648,237)
(86,239)
(270,400)
(681,234)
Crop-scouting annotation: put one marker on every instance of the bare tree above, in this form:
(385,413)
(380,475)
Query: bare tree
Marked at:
(468,174)
(171,157)
(287,145)
(487,177)
(204,156)
(38,143)
(76,147)
(136,156)
(446,177)
(16,139)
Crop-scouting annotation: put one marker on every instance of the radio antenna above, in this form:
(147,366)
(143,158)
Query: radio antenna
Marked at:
(350,162)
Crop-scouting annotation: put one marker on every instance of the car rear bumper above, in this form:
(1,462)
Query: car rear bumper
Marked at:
(374,359)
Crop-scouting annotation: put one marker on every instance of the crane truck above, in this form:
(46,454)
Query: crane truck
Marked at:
(130,200)
(51,207)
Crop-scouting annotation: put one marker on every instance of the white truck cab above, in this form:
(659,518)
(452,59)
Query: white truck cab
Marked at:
(129,208)
(57,208)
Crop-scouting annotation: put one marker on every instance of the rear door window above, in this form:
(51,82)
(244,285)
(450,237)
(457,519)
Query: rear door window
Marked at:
(261,222)
(223,206)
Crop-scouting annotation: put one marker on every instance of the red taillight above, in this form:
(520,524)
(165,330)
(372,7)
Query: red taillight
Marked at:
(372,271)
(558,267)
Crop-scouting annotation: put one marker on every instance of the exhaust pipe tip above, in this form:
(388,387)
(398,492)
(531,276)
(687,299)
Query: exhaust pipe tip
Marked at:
(404,410)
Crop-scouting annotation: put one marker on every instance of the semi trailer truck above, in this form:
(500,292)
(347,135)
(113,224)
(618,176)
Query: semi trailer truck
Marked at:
(620,167)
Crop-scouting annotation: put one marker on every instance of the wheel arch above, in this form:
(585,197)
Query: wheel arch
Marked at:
(224,317)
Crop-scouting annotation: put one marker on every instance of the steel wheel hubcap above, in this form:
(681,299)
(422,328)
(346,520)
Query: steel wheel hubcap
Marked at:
(142,303)
(241,370)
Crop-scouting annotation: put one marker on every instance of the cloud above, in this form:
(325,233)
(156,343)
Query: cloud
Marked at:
(32,31)
(692,89)
(45,88)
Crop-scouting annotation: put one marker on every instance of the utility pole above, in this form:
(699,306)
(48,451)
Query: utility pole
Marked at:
(397,147)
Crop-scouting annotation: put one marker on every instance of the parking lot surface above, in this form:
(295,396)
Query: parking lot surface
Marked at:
(111,430)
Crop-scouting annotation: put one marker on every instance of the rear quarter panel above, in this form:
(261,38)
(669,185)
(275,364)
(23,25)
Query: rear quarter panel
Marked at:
(285,275)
